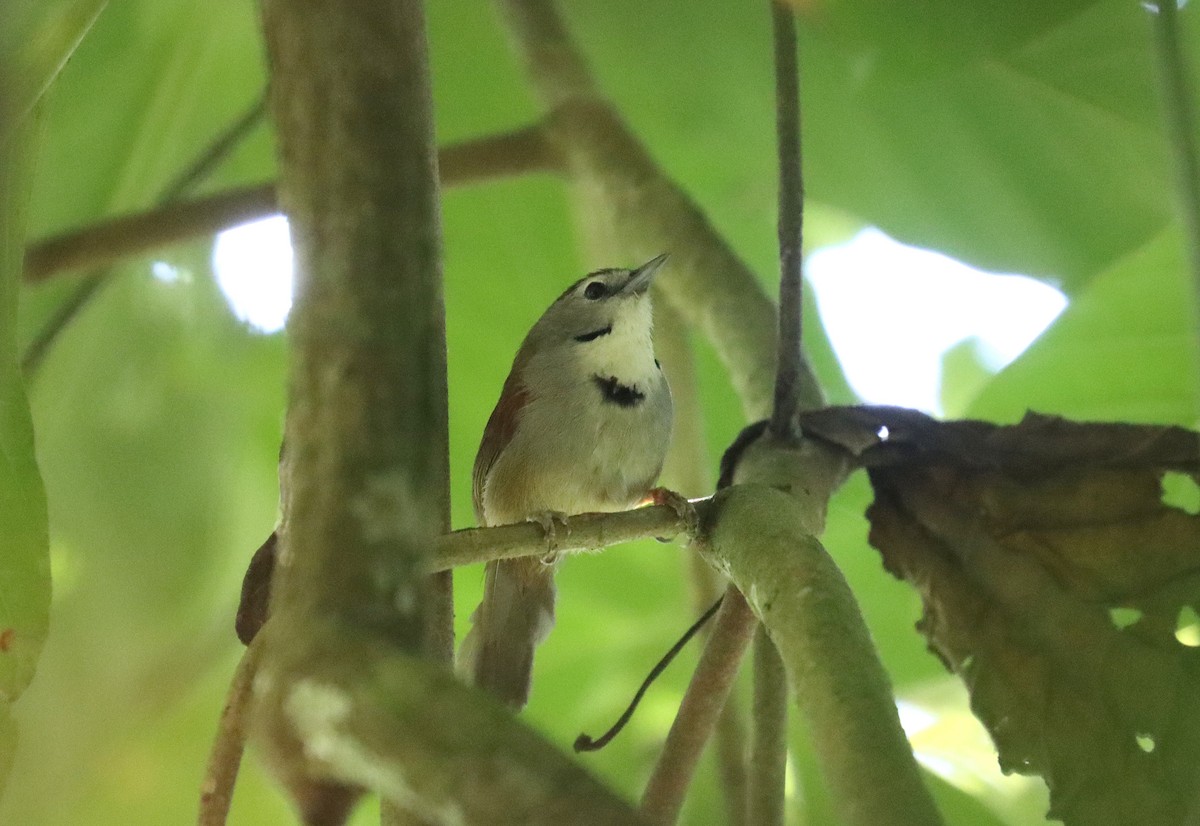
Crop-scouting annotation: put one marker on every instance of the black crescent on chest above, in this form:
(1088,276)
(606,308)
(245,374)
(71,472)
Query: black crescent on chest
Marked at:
(612,391)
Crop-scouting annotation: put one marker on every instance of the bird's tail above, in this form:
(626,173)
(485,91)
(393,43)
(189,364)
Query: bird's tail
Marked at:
(516,614)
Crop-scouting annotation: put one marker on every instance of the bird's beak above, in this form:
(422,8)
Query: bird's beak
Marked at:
(639,279)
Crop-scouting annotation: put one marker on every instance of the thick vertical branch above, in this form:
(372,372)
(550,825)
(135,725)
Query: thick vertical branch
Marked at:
(367,421)
(366,426)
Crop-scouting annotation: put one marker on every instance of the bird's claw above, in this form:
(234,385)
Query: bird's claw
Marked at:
(550,522)
(678,503)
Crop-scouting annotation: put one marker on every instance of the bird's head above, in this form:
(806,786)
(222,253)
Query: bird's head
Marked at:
(601,309)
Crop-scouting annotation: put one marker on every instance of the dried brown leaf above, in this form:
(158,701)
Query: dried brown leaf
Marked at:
(1053,577)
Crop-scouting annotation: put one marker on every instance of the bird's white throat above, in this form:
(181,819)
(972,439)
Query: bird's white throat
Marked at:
(627,353)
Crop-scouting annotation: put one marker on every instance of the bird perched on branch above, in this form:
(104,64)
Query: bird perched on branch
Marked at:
(582,425)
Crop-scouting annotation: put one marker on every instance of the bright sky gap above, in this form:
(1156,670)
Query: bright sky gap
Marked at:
(253,265)
(891,311)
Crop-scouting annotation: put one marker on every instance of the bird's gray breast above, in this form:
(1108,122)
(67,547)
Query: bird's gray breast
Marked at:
(603,443)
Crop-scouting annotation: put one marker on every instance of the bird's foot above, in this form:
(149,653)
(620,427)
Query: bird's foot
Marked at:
(678,503)
(551,522)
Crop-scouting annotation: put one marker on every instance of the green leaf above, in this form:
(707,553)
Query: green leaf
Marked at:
(985,130)
(24,542)
(35,41)
(1123,350)
(964,374)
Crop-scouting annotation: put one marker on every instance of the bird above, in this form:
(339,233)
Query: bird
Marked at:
(582,425)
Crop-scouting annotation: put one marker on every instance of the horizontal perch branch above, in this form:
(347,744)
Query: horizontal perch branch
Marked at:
(585,532)
(106,242)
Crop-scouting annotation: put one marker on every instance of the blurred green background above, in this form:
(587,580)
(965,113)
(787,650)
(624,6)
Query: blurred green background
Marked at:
(1019,137)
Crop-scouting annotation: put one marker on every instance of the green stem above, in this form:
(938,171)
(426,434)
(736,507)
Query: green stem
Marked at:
(768,750)
(765,540)
(790,363)
(700,710)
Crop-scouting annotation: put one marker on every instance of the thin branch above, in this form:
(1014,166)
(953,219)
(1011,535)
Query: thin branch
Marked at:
(585,532)
(89,287)
(768,750)
(215,153)
(107,242)
(699,711)
(225,758)
(1179,112)
(790,363)
(731,759)
(64,313)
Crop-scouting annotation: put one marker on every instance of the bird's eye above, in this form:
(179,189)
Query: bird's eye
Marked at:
(594,290)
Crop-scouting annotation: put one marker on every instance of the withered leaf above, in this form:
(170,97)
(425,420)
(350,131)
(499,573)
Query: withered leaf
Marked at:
(1022,540)
(256,591)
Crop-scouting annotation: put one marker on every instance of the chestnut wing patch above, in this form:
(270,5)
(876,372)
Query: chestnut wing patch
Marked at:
(500,428)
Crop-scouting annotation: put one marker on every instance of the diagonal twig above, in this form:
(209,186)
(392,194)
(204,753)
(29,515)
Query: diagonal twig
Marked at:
(700,709)
(768,747)
(107,242)
(88,287)
(225,757)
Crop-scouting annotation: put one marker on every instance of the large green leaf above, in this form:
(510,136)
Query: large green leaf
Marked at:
(35,41)
(1125,349)
(985,130)
(24,546)
(981,130)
